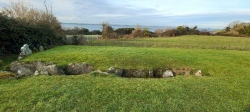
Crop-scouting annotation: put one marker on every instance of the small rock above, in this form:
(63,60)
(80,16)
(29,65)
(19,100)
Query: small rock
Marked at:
(111,70)
(41,48)
(198,73)
(168,73)
(36,73)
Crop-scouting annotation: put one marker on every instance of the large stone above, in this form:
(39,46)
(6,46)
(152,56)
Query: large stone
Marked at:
(158,73)
(79,68)
(24,71)
(139,74)
(126,73)
(25,51)
(53,70)
(119,72)
(167,73)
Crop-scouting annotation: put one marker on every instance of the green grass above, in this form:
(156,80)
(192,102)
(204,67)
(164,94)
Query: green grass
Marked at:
(187,41)
(226,89)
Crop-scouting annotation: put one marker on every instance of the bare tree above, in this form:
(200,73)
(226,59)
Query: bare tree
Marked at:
(23,11)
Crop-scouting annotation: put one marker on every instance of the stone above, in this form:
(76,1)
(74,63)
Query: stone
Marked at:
(158,73)
(139,74)
(41,48)
(25,51)
(119,72)
(198,73)
(126,73)
(111,70)
(79,68)
(23,71)
(167,73)
(54,70)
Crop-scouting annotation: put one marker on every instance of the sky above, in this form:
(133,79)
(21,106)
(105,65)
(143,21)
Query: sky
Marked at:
(203,13)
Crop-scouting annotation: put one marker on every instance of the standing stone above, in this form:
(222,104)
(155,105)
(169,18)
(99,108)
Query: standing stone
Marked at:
(198,73)
(25,51)
(168,73)
(41,48)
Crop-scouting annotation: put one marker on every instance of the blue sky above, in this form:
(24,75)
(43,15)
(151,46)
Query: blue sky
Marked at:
(203,13)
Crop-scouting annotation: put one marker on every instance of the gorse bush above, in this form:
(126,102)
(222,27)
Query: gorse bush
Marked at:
(20,24)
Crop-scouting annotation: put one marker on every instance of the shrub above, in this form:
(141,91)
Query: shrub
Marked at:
(29,26)
(108,32)
(124,31)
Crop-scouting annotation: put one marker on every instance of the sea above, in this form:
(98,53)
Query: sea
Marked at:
(92,27)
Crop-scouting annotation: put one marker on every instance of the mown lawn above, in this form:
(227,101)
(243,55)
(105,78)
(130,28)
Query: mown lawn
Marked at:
(226,88)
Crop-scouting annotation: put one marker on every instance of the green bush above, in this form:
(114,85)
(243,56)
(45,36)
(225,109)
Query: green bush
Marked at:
(14,33)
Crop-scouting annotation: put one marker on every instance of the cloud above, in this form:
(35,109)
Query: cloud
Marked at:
(212,13)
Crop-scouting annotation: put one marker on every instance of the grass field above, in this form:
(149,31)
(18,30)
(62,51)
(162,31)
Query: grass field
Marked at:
(227,88)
